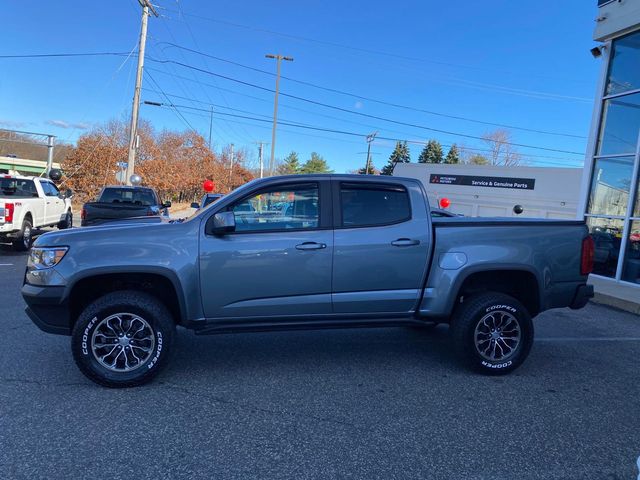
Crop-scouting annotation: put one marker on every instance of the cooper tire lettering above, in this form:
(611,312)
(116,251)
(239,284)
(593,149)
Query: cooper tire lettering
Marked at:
(85,335)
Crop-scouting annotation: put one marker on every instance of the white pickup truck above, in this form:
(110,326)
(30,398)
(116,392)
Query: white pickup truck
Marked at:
(27,203)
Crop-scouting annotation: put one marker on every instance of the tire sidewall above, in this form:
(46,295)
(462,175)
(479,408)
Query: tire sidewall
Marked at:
(499,367)
(19,243)
(89,321)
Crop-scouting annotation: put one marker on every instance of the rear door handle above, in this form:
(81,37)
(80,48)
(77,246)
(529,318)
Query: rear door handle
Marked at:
(405,242)
(311,246)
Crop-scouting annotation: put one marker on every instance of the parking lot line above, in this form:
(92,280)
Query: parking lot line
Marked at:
(6,264)
(588,339)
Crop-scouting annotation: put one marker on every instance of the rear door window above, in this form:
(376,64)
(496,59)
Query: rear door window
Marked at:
(17,188)
(371,205)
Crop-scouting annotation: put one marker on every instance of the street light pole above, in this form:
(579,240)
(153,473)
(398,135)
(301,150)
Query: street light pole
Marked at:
(278,59)
(133,129)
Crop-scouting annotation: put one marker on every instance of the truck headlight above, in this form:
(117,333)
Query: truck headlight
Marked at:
(46,257)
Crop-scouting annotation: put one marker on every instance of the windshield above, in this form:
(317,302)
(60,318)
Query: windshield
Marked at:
(141,196)
(13,187)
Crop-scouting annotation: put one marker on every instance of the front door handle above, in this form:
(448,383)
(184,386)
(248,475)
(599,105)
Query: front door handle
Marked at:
(311,246)
(405,242)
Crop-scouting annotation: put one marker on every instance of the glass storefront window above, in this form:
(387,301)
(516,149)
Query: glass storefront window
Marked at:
(607,236)
(631,269)
(624,74)
(610,186)
(620,124)
(636,208)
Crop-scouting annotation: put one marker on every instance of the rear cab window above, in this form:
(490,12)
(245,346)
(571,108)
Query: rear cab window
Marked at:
(140,196)
(17,188)
(372,204)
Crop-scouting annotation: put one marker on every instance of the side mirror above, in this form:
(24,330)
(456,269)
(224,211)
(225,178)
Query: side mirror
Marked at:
(166,204)
(195,205)
(221,223)
(68,193)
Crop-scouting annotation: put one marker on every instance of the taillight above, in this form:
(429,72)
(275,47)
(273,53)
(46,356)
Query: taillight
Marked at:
(588,250)
(83,214)
(8,212)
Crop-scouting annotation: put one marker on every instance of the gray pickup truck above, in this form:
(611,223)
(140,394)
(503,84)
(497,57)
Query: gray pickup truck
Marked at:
(304,252)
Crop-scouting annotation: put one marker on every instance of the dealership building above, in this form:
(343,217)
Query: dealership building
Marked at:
(610,198)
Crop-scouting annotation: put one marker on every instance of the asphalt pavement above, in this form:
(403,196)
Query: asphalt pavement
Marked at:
(376,403)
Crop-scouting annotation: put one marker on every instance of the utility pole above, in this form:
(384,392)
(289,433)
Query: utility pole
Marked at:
(260,158)
(133,129)
(49,153)
(370,138)
(231,169)
(210,126)
(279,59)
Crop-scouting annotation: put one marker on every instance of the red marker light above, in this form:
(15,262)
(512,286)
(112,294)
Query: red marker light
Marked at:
(208,186)
(445,203)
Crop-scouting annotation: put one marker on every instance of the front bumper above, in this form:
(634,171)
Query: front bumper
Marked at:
(47,308)
(582,296)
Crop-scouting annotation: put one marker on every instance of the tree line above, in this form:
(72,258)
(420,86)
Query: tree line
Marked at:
(499,151)
(291,165)
(175,164)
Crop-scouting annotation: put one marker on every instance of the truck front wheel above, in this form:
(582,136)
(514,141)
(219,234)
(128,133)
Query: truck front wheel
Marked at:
(492,333)
(123,339)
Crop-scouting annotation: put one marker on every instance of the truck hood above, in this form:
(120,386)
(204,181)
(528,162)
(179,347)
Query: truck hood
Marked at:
(131,229)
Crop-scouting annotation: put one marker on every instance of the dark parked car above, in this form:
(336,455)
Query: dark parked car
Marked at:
(117,203)
(207,199)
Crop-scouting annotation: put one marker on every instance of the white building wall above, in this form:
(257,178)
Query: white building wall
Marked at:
(555,194)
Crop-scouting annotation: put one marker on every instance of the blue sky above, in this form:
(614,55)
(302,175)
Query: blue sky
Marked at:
(525,64)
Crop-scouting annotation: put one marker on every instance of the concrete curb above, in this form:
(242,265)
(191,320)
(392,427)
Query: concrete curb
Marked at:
(619,303)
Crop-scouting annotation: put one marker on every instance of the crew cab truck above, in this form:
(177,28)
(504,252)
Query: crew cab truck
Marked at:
(27,203)
(304,252)
(120,202)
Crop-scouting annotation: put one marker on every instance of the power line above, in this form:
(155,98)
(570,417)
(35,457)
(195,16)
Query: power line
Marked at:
(195,41)
(312,127)
(168,100)
(413,142)
(51,55)
(359,49)
(374,100)
(362,114)
(404,134)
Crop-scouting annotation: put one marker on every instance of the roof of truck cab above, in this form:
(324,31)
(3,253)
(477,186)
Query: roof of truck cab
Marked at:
(20,177)
(338,176)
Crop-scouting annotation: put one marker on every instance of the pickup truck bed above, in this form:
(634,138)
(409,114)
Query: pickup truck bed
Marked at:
(323,251)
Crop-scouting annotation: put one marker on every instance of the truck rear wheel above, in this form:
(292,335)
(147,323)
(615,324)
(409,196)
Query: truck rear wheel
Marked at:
(492,333)
(123,339)
(23,242)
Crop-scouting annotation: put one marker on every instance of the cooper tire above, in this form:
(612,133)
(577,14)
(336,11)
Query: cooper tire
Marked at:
(23,242)
(138,327)
(492,333)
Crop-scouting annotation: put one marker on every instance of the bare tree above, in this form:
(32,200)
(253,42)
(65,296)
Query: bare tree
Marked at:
(501,150)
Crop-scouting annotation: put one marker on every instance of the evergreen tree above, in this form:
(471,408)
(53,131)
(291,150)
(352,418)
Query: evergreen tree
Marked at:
(399,155)
(363,170)
(478,159)
(316,164)
(453,156)
(431,153)
(290,165)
